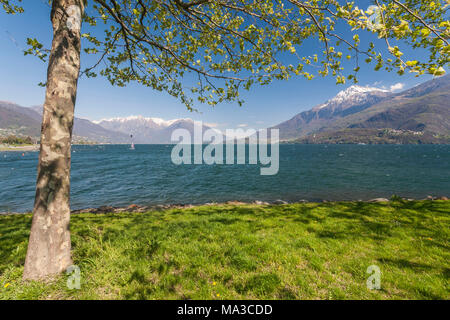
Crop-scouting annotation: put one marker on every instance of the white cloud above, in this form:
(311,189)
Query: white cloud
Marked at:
(212,124)
(397,86)
(243,125)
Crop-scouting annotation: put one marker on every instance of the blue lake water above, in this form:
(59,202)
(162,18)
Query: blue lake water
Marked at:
(114,175)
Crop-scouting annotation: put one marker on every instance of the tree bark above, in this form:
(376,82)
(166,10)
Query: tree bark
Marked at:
(49,245)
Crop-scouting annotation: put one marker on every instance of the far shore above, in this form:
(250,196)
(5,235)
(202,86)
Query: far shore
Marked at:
(19,148)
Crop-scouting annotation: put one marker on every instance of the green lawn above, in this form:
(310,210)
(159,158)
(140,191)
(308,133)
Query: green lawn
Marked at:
(298,251)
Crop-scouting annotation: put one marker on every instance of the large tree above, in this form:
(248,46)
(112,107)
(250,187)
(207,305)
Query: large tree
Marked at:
(217,48)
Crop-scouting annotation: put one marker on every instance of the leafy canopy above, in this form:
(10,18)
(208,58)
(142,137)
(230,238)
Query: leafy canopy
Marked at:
(232,44)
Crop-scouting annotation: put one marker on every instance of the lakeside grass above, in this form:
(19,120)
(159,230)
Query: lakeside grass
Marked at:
(295,251)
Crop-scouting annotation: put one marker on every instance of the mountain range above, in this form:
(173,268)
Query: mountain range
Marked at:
(357,114)
(18,120)
(148,130)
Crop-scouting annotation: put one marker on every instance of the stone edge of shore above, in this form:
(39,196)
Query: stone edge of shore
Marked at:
(141,209)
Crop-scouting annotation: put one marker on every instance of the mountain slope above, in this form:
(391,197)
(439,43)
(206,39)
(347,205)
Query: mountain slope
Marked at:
(15,119)
(18,120)
(84,129)
(345,103)
(422,108)
(373,136)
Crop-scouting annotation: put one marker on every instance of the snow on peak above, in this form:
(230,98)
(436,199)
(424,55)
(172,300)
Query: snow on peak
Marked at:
(140,119)
(355,90)
(354,93)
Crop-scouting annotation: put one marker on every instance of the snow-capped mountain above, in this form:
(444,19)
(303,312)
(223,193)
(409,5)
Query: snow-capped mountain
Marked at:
(147,130)
(349,101)
(351,96)
(138,121)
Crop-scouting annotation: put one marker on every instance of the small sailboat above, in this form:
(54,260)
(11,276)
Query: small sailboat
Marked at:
(132,144)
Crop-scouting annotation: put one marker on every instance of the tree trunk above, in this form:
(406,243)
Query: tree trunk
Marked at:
(49,246)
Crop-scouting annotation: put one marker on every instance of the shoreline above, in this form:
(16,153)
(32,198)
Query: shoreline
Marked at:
(6,148)
(161,207)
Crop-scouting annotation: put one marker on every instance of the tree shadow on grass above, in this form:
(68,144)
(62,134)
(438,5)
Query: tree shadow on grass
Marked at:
(14,234)
(363,214)
(446,273)
(403,263)
(139,286)
(225,220)
(340,221)
(421,206)
(331,234)
(375,220)
(261,285)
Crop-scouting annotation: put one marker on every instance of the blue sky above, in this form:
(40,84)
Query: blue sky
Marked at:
(97,99)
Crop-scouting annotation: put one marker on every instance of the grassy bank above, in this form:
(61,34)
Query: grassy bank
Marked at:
(296,251)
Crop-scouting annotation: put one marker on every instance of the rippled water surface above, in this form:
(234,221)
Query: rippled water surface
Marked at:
(114,175)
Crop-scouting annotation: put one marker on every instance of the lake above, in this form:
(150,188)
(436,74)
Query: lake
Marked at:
(116,176)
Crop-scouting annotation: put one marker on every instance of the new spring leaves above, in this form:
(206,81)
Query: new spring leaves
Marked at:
(227,46)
